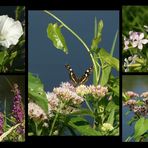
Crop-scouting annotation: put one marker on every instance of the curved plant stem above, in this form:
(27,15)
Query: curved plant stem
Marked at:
(84,44)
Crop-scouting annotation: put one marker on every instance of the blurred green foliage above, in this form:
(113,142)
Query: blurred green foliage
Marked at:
(134,18)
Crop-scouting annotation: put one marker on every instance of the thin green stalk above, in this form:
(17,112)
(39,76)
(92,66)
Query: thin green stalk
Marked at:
(114,43)
(55,118)
(88,105)
(83,43)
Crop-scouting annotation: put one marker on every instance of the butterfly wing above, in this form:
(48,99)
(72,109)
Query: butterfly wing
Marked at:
(72,75)
(84,78)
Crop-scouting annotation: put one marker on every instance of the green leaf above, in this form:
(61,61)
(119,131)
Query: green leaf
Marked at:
(37,93)
(55,35)
(107,62)
(141,127)
(111,106)
(107,58)
(3,55)
(18,12)
(111,117)
(83,127)
(105,75)
(83,112)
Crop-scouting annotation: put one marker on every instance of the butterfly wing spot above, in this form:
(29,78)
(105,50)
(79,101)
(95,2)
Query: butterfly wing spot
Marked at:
(74,79)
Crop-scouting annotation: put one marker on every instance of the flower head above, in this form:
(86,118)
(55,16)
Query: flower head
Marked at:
(132,94)
(67,95)
(138,39)
(10,31)
(17,111)
(36,112)
(107,127)
(144,94)
(82,90)
(53,101)
(98,91)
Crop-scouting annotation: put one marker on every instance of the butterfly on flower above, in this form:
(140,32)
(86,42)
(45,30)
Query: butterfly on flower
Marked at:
(76,81)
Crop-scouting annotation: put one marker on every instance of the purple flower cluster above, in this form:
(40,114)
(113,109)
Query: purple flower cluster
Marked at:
(17,110)
(1,123)
(135,106)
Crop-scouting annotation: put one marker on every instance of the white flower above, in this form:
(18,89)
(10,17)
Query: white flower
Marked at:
(126,43)
(10,31)
(137,39)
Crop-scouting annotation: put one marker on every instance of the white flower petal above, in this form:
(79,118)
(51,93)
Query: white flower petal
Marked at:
(144,41)
(134,44)
(10,31)
(140,46)
(141,36)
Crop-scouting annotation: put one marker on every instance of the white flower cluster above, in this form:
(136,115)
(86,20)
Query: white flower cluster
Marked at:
(136,39)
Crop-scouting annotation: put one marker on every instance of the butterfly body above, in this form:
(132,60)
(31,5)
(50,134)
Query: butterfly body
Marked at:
(76,81)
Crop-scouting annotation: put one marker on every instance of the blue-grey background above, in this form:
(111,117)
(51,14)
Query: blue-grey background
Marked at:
(138,84)
(48,62)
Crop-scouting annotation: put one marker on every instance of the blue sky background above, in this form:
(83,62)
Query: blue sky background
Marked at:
(48,62)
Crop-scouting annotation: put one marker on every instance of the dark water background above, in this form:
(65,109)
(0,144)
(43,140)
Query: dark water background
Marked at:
(5,91)
(138,84)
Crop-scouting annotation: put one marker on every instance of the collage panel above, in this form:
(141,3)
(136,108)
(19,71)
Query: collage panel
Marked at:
(135,108)
(134,38)
(73,80)
(12,39)
(12,73)
(12,108)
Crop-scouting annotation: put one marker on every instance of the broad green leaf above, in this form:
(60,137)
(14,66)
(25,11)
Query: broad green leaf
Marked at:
(141,127)
(107,58)
(111,117)
(37,93)
(55,35)
(83,127)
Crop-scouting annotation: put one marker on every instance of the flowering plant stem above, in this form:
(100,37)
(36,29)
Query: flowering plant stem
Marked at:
(55,118)
(95,79)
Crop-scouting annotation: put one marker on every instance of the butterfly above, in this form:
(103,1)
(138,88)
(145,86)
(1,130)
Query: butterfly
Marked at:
(74,79)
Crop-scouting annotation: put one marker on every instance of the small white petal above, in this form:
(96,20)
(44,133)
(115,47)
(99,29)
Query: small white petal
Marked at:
(134,44)
(144,41)
(140,46)
(141,36)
